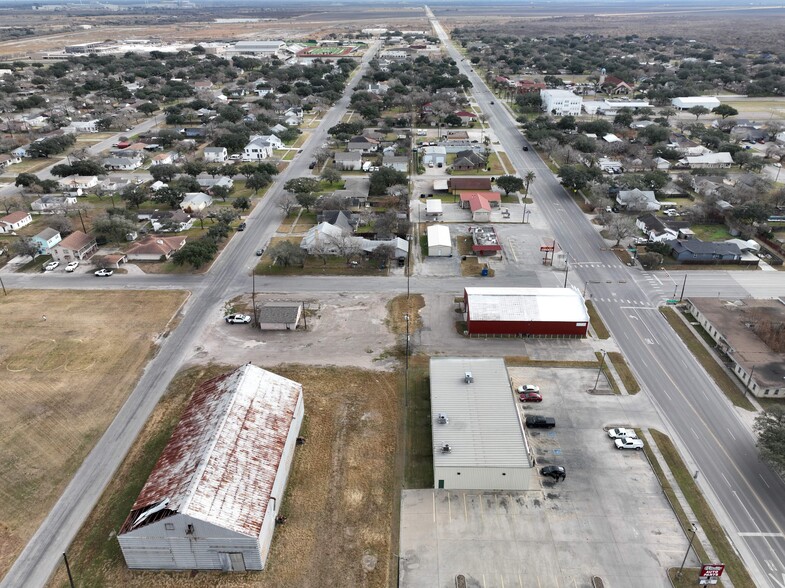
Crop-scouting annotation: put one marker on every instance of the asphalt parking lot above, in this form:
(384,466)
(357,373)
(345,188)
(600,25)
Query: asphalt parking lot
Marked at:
(609,517)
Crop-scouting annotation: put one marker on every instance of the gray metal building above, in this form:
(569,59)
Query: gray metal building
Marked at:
(478,437)
(211,500)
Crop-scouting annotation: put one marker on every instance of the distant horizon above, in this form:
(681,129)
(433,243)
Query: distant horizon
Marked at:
(332,4)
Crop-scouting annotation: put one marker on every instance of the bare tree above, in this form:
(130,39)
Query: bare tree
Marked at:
(347,246)
(621,227)
(287,204)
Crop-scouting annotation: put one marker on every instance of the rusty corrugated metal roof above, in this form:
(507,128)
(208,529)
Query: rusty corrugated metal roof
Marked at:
(220,463)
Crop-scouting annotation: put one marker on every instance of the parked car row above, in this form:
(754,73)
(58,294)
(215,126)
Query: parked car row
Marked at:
(71,266)
(625,439)
(529,393)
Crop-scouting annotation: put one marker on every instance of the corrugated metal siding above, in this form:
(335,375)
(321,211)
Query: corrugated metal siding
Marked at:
(484,428)
(153,547)
(535,329)
(482,478)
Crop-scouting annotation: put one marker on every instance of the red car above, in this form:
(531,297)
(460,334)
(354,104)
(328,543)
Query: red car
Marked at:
(530,397)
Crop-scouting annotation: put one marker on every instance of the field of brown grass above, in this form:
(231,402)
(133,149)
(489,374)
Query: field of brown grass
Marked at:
(339,502)
(63,380)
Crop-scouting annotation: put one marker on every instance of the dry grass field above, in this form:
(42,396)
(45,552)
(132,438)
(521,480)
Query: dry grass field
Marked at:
(63,380)
(339,502)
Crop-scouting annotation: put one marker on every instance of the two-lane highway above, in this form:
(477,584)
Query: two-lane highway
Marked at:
(746,494)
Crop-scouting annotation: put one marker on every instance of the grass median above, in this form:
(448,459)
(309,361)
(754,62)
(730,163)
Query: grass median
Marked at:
(707,360)
(596,321)
(626,375)
(700,507)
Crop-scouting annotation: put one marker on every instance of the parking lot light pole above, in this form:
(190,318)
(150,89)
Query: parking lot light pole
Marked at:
(406,371)
(599,371)
(689,546)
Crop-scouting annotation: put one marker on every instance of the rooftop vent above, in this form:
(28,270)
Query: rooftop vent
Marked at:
(446,448)
(468,378)
(442,419)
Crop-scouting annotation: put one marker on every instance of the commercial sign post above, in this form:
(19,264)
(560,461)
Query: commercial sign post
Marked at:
(710,573)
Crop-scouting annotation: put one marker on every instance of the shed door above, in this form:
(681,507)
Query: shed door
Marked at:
(232,562)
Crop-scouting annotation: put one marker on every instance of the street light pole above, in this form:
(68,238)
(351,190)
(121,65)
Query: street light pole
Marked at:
(689,546)
(566,269)
(408,270)
(599,371)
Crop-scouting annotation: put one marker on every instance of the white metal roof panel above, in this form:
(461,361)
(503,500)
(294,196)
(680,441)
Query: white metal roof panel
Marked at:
(439,235)
(563,305)
(484,428)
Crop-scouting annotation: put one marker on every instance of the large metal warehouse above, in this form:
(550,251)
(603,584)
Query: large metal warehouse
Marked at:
(211,500)
(531,312)
(439,243)
(478,437)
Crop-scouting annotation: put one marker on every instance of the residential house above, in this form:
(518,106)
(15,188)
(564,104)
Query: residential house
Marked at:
(195,132)
(526,86)
(610,166)
(75,182)
(437,155)
(215,154)
(278,128)
(77,246)
(7,159)
(749,133)
(195,202)
(662,164)
(15,221)
(122,163)
(654,229)
(208,183)
(378,88)
(271,140)
(637,200)
(710,160)
(641,124)
(164,158)
(157,185)
(697,251)
(155,248)
(87,126)
(279,316)
(51,203)
(348,161)
(363,144)
(169,221)
(397,162)
(47,239)
(339,218)
(466,117)
(323,238)
(355,191)
(257,149)
(468,159)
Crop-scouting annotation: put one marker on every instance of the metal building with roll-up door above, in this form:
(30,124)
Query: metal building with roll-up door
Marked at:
(478,437)
(211,500)
(439,242)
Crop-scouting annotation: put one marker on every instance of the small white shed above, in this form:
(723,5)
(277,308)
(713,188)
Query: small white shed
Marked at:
(439,243)
(434,207)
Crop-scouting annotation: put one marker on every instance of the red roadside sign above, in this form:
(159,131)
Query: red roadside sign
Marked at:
(712,570)
(546,247)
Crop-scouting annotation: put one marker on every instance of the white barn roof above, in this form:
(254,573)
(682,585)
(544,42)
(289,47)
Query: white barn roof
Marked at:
(484,428)
(222,459)
(527,304)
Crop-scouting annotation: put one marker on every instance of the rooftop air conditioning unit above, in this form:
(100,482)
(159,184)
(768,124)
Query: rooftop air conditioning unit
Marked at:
(442,419)
(468,378)
(446,448)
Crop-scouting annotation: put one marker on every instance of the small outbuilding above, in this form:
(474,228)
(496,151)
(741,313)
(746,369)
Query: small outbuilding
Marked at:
(280,316)
(211,500)
(439,242)
(434,208)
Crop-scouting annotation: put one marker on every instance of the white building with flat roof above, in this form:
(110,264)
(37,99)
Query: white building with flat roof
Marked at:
(478,437)
(687,102)
(561,102)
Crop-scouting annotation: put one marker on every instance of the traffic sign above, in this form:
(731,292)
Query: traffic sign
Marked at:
(546,247)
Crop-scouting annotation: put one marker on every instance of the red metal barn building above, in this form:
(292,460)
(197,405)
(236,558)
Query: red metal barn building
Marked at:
(529,312)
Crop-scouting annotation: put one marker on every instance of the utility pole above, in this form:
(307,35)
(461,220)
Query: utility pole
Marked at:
(3,286)
(684,285)
(599,372)
(406,371)
(305,316)
(566,269)
(68,569)
(79,210)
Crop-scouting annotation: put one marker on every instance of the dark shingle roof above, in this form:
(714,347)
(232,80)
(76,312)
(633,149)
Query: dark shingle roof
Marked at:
(279,312)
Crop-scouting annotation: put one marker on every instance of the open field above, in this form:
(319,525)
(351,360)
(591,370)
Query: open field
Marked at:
(64,378)
(339,501)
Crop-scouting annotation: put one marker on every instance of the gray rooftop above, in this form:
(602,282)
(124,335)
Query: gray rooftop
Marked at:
(279,312)
(484,428)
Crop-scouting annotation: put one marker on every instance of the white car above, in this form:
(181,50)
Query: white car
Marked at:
(104,273)
(527,388)
(622,434)
(238,319)
(51,265)
(629,443)
(72,266)
(670,212)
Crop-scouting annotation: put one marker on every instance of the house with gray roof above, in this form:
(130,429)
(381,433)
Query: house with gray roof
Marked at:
(348,161)
(697,251)
(637,200)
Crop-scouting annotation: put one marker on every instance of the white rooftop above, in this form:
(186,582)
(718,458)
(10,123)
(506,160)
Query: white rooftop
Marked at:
(527,304)
(483,428)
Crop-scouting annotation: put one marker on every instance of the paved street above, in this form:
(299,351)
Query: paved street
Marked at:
(714,441)
(745,493)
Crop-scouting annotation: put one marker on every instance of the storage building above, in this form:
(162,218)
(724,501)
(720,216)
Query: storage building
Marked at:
(211,500)
(687,102)
(478,437)
(530,312)
(439,243)
(434,207)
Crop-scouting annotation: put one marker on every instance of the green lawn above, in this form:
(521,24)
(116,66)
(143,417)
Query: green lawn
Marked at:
(711,232)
